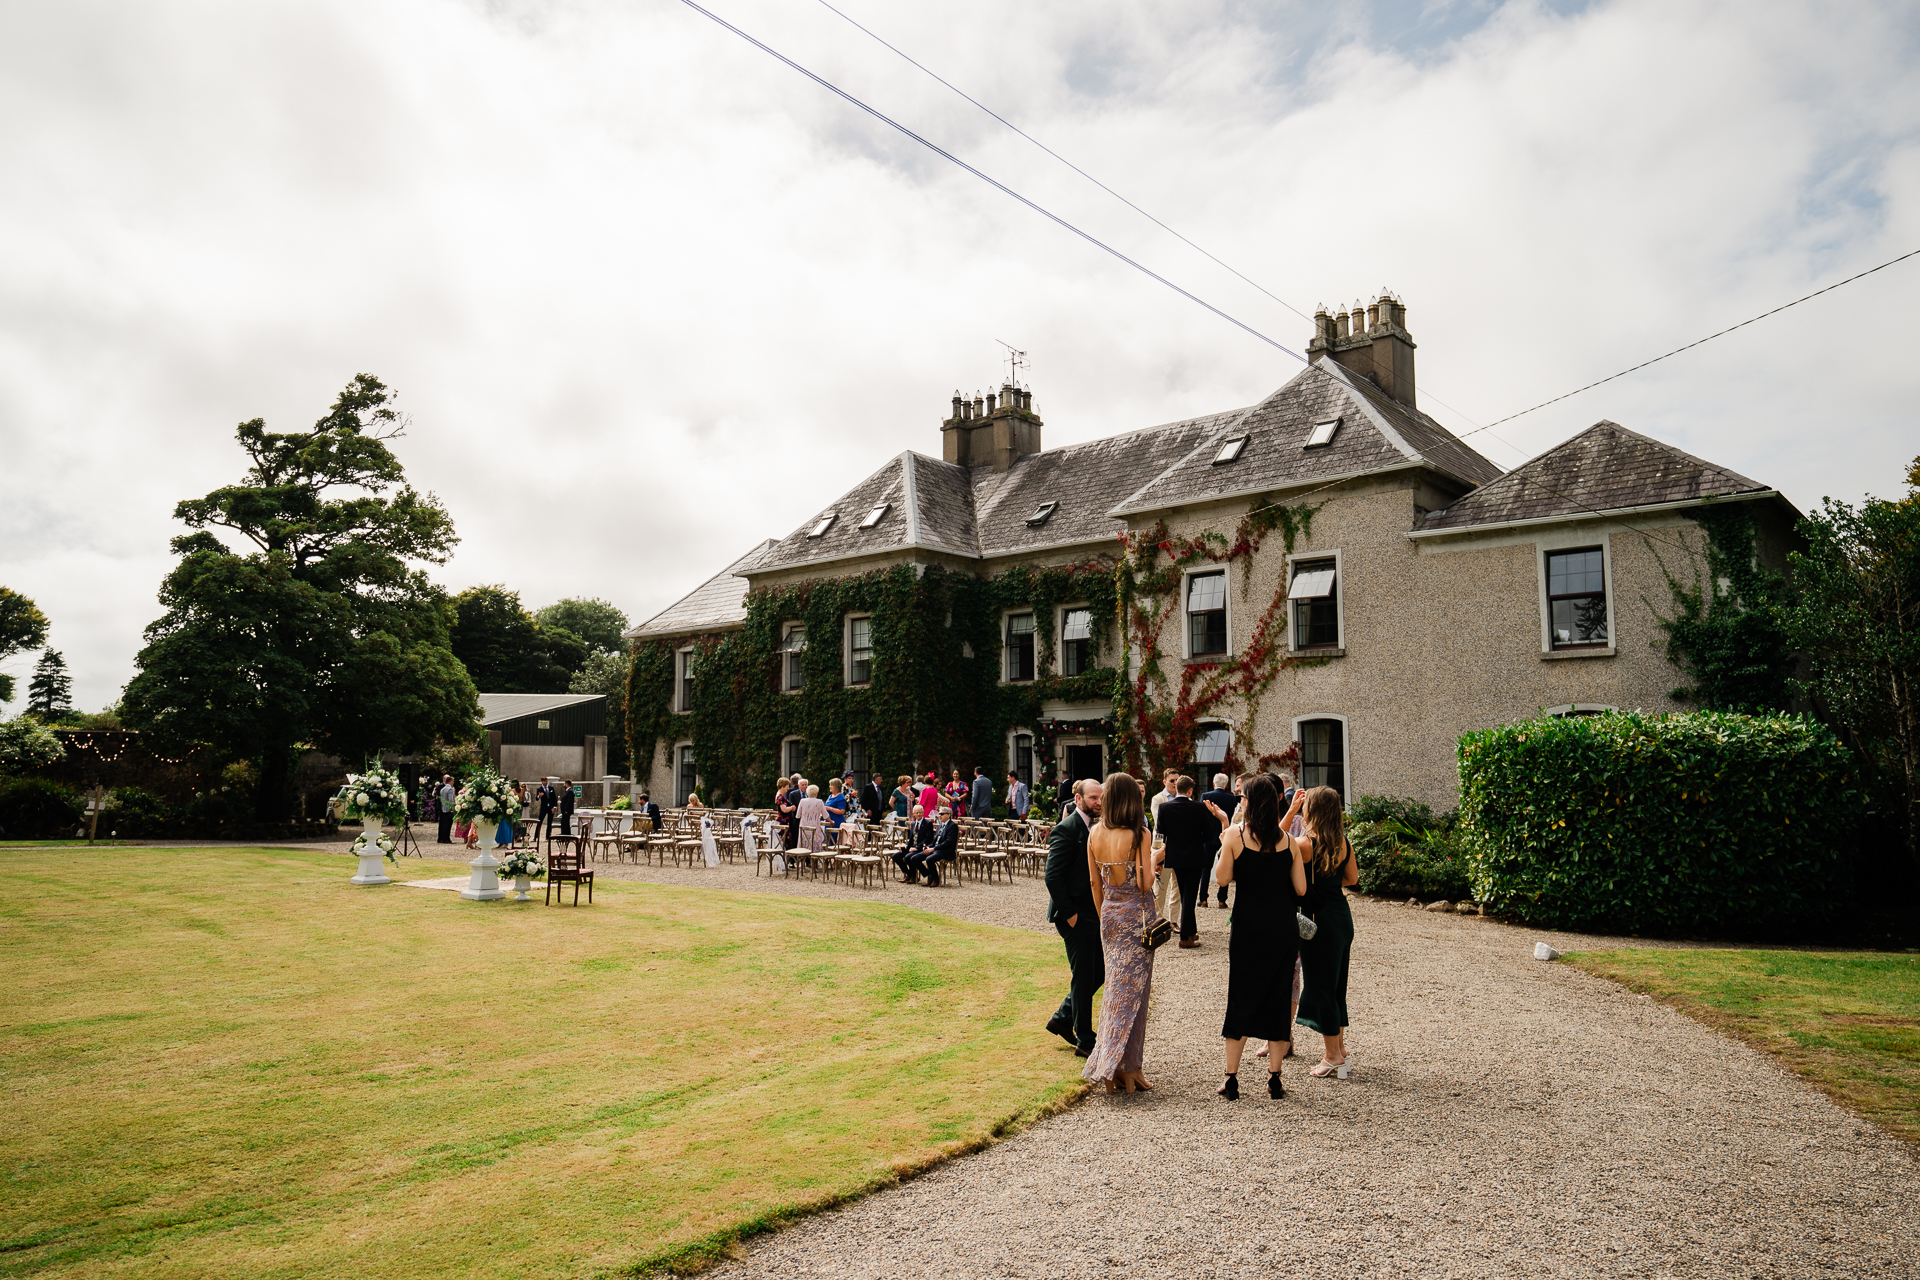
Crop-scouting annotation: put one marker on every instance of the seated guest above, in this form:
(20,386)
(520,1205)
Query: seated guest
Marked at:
(919,845)
(650,809)
(946,848)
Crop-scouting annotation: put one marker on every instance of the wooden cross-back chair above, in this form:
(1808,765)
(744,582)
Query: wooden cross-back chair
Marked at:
(568,866)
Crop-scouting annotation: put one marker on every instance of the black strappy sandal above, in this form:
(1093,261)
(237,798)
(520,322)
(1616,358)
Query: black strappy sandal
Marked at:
(1274,1088)
(1231,1089)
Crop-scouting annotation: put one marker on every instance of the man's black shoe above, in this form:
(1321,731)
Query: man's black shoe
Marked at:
(1083,1053)
(1062,1027)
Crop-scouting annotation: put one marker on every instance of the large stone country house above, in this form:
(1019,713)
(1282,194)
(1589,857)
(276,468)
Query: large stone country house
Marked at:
(1329,567)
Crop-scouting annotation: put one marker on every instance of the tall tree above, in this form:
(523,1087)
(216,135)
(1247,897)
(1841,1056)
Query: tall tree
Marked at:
(50,692)
(327,633)
(22,627)
(507,650)
(1856,614)
(606,673)
(598,622)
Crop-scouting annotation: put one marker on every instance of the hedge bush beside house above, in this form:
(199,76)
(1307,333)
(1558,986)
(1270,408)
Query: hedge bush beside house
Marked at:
(1704,822)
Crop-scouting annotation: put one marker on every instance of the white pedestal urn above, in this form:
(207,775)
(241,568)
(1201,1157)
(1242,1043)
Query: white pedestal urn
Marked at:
(373,863)
(483,885)
(520,887)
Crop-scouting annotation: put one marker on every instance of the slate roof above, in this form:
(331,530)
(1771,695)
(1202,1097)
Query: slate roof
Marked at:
(717,603)
(497,708)
(977,512)
(1376,433)
(1604,469)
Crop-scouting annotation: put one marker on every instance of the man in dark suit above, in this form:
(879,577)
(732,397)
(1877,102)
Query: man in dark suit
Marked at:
(1071,912)
(1228,802)
(566,808)
(946,848)
(919,846)
(650,809)
(549,800)
(1186,825)
(870,801)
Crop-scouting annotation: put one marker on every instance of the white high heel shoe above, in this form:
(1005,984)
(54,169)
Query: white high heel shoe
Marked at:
(1339,1071)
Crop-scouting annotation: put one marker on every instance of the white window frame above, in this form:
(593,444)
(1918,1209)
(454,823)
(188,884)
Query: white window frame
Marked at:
(846,649)
(1346,745)
(673,767)
(1568,540)
(847,764)
(1059,631)
(792,737)
(1206,783)
(1006,615)
(1339,599)
(787,656)
(683,681)
(1186,624)
(1013,735)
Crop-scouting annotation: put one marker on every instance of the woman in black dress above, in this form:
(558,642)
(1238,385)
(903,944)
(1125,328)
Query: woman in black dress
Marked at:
(1265,938)
(1330,869)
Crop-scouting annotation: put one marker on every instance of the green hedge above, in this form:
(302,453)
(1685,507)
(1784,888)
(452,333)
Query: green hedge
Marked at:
(1405,851)
(36,809)
(1698,823)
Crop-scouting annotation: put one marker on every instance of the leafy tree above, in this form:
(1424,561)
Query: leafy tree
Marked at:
(507,650)
(326,634)
(22,627)
(1857,617)
(1726,632)
(606,673)
(595,621)
(50,692)
(25,744)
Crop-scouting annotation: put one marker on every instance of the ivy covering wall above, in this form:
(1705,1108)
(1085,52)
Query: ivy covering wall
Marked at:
(935,698)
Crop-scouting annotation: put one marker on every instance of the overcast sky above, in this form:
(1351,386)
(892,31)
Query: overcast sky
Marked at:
(649,296)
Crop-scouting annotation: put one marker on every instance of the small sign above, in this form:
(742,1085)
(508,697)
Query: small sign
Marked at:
(543,724)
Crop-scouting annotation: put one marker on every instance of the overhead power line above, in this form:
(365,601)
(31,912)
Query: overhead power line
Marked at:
(1002,187)
(1070,164)
(1696,342)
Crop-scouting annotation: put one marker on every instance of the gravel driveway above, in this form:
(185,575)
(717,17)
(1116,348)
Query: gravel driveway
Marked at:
(1506,1118)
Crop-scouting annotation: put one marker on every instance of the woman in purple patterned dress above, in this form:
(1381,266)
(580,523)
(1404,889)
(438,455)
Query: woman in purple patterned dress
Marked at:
(1120,865)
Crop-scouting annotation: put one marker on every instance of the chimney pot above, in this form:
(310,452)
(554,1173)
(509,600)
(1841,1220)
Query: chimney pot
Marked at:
(1373,316)
(1340,325)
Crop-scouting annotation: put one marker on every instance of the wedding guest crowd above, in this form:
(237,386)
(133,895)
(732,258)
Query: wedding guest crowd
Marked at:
(1288,852)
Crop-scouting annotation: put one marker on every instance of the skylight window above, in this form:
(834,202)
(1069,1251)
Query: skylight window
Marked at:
(874,516)
(1042,514)
(826,523)
(1322,434)
(1230,451)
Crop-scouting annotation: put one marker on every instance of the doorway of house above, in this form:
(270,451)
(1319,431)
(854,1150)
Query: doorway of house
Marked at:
(1085,762)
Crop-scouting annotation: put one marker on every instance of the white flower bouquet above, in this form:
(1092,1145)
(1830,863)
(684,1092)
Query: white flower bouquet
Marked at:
(487,797)
(377,793)
(383,842)
(521,862)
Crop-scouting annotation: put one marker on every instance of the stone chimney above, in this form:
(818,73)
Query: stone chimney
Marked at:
(991,431)
(1370,340)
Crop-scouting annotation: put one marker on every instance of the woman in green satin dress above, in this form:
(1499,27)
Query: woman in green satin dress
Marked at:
(1323,959)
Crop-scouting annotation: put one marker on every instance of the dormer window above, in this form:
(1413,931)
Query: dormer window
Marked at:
(1230,451)
(1041,514)
(874,516)
(826,523)
(1322,434)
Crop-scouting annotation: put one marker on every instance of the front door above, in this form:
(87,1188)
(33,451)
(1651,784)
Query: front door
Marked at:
(1085,762)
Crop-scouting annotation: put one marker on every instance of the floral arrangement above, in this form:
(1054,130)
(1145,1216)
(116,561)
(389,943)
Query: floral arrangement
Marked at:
(383,842)
(621,802)
(487,797)
(377,793)
(517,861)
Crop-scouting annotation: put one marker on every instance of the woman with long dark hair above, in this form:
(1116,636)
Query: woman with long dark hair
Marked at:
(1120,868)
(1265,937)
(1330,867)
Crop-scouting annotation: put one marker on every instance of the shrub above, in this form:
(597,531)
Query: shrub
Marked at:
(138,814)
(27,744)
(35,809)
(1404,850)
(1705,822)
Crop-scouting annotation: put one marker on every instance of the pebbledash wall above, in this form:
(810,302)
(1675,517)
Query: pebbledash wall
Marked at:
(1441,561)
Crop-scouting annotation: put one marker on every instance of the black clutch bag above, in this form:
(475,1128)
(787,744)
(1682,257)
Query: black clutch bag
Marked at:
(1157,933)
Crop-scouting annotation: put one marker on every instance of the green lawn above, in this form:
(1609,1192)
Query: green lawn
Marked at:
(231,1062)
(1848,1021)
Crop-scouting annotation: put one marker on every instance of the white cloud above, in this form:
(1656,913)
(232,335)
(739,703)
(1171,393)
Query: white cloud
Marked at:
(649,296)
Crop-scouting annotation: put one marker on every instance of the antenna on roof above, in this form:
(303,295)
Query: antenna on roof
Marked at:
(1016,361)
